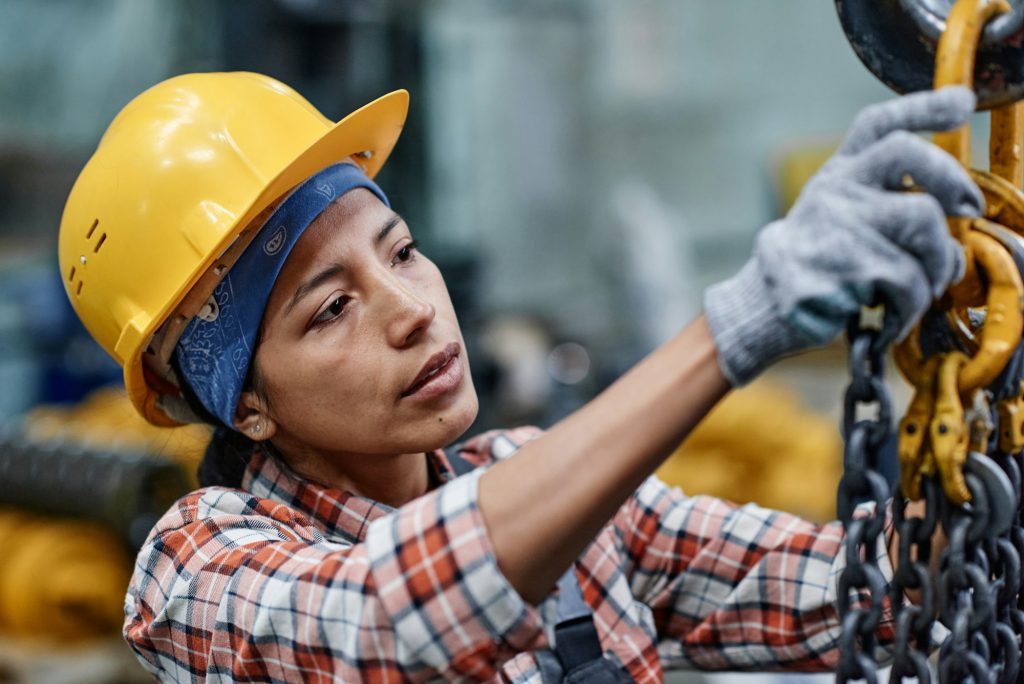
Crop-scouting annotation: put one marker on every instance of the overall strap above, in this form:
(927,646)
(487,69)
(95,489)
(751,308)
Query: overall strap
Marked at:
(576,640)
(460,466)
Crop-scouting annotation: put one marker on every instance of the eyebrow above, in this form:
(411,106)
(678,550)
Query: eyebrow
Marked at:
(387,227)
(313,283)
(336,269)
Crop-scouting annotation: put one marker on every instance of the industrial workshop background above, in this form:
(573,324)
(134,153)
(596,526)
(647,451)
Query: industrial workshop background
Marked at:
(580,170)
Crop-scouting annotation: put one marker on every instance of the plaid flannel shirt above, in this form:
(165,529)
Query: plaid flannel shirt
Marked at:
(288,580)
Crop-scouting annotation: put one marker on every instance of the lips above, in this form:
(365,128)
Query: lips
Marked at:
(440,373)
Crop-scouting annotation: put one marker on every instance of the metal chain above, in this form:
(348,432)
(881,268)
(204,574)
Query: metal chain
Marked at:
(978,590)
(862,481)
(913,638)
(1000,551)
(967,595)
(1005,554)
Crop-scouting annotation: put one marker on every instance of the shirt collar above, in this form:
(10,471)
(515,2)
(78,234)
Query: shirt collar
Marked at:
(338,512)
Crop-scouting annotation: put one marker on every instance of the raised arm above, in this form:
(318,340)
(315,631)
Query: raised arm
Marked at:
(543,506)
(853,238)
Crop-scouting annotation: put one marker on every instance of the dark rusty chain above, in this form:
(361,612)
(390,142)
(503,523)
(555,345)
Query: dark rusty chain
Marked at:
(980,575)
(975,424)
(977,593)
(1004,552)
(862,481)
(1010,603)
(913,623)
(966,592)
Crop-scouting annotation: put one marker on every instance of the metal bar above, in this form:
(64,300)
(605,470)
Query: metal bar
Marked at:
(954,62)
(1005,157)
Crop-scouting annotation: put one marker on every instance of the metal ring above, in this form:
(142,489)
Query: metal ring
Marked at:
(1009,565)
(930,17)
(860,665)
(858,577)
(892,45)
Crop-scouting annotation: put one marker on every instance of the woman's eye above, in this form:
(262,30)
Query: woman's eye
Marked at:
(406,253)
(333,310)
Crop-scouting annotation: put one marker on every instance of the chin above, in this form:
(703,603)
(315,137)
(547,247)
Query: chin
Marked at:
(454,421)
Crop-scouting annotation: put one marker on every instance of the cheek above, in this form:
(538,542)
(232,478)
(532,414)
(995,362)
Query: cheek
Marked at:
(303,376)
(320,380)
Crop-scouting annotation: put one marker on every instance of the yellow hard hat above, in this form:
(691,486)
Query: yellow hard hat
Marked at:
(172,195)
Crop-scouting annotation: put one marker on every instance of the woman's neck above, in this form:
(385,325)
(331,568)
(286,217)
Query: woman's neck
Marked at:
(392,480)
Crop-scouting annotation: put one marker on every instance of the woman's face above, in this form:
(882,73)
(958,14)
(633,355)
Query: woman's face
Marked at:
(361,352)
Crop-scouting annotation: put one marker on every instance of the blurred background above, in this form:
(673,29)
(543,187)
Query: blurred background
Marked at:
(580,171)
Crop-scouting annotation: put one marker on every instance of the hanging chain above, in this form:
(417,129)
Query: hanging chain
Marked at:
(977,595)
(967,594)
(1007,449)
(864,438)
(981,573)
(913,623)
(960,442)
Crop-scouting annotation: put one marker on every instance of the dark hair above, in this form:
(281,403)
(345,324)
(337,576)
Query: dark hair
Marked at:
(229,450)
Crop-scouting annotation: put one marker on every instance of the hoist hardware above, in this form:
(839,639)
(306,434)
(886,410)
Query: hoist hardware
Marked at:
(914,430)
(1001,333)
(897,40)
(1000,498)
(930,16)
(1004,220)
(947,431)
(970,386)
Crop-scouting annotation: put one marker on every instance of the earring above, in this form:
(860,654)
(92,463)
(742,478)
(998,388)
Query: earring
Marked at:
(256,428)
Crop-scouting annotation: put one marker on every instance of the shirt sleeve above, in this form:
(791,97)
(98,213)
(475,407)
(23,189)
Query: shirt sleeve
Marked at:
(233,587)
(739,587)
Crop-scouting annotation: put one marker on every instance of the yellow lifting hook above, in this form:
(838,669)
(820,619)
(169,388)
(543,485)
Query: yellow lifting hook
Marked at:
(945,383)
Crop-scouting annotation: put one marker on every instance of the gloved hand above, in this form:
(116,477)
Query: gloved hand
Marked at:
(853,238)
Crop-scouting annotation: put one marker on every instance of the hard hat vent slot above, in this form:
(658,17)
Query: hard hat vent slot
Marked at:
(103,237)
(71,276)
(92,229)
(78,290)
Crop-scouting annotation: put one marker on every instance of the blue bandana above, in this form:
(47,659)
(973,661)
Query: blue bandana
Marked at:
(215,351)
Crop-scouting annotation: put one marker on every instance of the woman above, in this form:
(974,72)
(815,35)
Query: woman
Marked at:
(227,245)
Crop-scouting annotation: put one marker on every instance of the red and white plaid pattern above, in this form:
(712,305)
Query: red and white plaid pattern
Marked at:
(292,581)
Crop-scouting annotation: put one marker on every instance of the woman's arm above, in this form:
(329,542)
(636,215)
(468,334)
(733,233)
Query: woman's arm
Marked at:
(546,504)
(853,238)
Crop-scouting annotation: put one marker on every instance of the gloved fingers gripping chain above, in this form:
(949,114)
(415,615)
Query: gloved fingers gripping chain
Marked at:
(887,163)
(849,245)
(905,294)
(934,110)
(916,224)
(844,243)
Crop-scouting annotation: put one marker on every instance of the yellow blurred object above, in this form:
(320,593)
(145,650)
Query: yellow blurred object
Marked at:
(60,579)
(761,445)
(165,205)
(107,419)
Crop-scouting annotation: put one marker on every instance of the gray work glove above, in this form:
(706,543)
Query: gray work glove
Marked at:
(853,238)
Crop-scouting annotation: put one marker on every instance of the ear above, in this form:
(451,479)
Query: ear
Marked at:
(252,418)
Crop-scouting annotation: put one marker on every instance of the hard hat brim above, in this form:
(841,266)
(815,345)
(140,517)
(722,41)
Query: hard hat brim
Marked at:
(368,135)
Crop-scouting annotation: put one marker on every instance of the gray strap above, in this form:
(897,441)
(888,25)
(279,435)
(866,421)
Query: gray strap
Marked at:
(570,599)
(460,466)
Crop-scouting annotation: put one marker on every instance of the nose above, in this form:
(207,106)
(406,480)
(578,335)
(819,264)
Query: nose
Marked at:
(406,314)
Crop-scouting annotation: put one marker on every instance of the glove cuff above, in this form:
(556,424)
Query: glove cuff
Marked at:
(748,331)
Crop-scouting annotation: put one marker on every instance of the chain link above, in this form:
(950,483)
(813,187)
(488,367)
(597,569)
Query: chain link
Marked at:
(864,437)
(976,592)
(913,639)
(1005,555)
